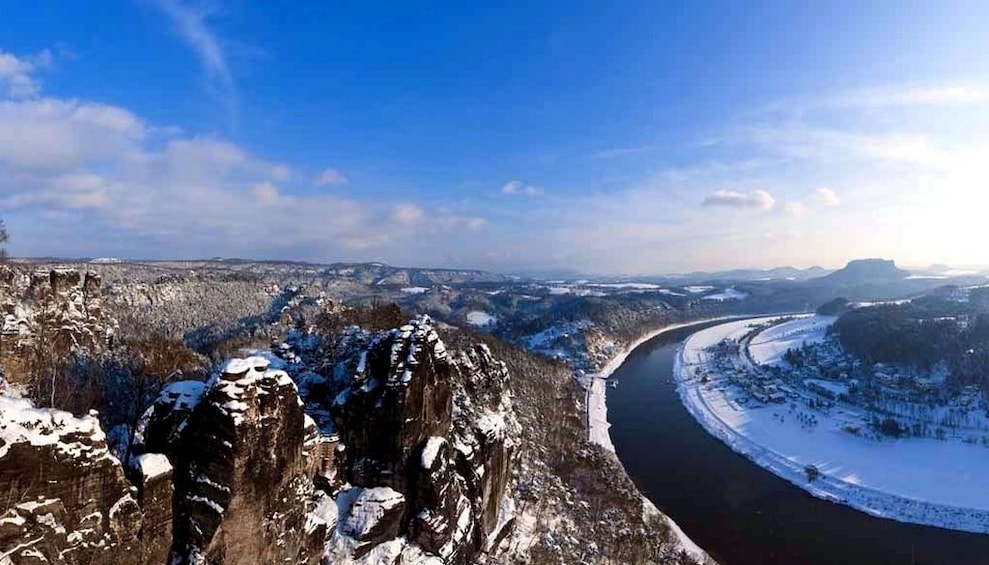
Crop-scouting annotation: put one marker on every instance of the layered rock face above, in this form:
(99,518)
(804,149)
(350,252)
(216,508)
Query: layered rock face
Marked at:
(66,499)
(243,482)
(437,429)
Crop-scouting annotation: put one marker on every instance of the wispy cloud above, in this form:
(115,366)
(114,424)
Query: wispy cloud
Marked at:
(879,98)
(107,182)
(519,187)
(17,73)
(616,152)
(820,198)
(190,22)
(754,200)
(909,95)
(825,197)
(331,176)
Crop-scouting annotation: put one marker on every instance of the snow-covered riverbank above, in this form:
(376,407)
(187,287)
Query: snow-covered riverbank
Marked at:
(597,418)
(923,481)
(597,390)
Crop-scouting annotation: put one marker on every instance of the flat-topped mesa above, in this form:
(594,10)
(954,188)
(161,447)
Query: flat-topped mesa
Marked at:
(399,397)
(242,478)
(66,499)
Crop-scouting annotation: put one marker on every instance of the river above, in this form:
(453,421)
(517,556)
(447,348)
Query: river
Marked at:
(737,511)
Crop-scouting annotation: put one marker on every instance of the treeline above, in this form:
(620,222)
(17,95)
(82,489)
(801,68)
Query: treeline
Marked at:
(921,334)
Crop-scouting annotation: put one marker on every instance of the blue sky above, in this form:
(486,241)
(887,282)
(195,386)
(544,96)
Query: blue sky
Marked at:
(642,137)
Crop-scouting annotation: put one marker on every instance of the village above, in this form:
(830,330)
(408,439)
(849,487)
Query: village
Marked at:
(799,363)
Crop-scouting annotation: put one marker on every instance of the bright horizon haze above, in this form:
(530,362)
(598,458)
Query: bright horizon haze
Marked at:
(640,138)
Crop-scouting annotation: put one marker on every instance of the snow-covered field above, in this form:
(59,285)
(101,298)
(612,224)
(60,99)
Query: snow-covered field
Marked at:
(726,294)
(697,289)
(768,347)
(414,289)
(633,285)
(923,481)
(480,318)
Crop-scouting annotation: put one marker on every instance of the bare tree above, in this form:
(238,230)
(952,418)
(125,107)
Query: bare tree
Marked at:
(4,236)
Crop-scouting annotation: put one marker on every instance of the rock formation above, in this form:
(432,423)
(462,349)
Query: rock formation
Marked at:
(60,308)
(439,430)
(412,462)
(242,482)
(65,496)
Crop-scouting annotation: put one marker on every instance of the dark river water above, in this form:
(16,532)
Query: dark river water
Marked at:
(737,511)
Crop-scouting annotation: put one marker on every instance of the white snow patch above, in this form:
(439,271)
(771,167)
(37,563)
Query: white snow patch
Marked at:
(769,346)
(481,319)
(726,294)
(415,289)
(635,285)
(153,465)
(686,544)
(432,449)
(368,508)
(240,366)
(21,422)
(324,513)
(208,502)
(183,395)
(697,289)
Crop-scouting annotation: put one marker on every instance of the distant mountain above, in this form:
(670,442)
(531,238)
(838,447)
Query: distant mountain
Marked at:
(865,271)
(777,273)
(381,274)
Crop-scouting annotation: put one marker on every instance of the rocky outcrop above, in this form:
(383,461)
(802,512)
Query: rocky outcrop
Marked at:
(437,428)
(65,496)
(412,462)
(60,308)
(400,396)
(242,482)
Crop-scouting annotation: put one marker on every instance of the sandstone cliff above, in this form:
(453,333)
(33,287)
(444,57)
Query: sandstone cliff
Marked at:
(66,499)
(412,461)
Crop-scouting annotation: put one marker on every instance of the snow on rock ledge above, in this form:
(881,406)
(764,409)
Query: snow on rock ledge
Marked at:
(241,465)
(83,511)
(374,515)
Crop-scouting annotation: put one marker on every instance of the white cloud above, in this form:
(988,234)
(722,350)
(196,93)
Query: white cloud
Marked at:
(190,21)
(47,132)
(754,200)
(330,177)
(825,197)
(107,183)
(795,209)
(265,192)
(407,214)
(616,152)
(519,187)
(909,95)
(17,73)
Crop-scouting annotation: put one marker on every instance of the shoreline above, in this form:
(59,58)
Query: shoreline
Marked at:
(597,390)
(598,425)
(869,500)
